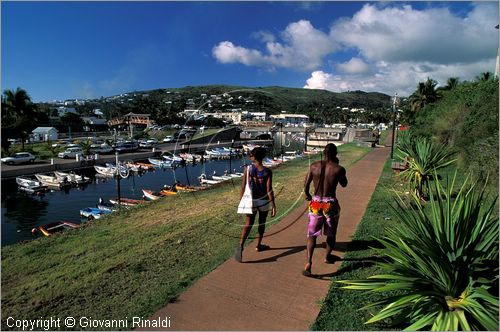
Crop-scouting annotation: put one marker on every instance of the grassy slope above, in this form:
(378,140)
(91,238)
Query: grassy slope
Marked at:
(134,262)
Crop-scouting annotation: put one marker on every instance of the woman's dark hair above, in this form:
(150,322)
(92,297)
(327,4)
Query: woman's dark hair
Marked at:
(258,153)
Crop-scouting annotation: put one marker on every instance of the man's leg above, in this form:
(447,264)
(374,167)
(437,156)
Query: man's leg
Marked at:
(331,238)
(311,244)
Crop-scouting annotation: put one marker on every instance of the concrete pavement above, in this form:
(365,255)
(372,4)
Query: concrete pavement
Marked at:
(267,291)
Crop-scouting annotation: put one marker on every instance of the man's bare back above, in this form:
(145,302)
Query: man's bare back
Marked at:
(333,174)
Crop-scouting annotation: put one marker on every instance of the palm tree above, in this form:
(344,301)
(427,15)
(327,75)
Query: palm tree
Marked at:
(20,109)
(452,83)
(426,93)
(486,76)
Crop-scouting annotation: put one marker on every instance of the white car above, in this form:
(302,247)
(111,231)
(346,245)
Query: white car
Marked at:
(70,153)
(19,158)
(168,139)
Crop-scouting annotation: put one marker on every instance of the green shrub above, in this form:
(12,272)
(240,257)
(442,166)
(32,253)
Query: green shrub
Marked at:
(423,158)
(441,266)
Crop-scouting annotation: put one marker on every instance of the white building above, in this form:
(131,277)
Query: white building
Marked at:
(290,119)
(44,134)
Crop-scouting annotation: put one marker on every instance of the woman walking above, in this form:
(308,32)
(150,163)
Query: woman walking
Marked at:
(260,181)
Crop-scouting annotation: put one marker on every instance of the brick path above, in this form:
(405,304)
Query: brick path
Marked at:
(268,291)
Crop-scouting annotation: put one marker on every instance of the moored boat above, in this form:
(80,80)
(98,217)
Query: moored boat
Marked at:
(127,201)
(152,195)
(204,180)
(95,213)
(145,166)
(54,227)
(183,187)
(106,171)
(52,181)
(72,177)
(161,163)
(30,186)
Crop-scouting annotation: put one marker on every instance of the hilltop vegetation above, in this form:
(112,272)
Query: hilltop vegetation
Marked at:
(465,118)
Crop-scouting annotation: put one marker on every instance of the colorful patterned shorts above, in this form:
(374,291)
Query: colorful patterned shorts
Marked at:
(324,214)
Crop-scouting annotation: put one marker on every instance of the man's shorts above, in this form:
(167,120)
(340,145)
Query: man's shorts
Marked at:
(261,205)
(324,214)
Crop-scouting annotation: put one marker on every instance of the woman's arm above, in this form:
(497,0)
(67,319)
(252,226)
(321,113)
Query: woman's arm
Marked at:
(270,193)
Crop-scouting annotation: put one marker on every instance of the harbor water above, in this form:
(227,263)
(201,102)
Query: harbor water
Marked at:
(22,212)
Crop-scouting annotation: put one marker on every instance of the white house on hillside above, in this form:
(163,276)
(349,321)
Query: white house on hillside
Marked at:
(44,134)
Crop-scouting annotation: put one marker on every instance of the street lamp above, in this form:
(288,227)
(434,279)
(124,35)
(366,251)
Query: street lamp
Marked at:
(395,103)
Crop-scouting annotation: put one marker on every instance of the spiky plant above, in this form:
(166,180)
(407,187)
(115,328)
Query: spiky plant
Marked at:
(423,158)
(441,264)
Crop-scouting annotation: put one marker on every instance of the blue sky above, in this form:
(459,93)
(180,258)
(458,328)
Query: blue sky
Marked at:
(62,50)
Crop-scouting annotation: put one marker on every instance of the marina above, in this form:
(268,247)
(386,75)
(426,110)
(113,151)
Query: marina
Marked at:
(22,212)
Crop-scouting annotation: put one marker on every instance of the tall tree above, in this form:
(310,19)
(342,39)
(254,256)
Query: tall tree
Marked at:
(20,113)
(426,93)
(452,83)
(486,76)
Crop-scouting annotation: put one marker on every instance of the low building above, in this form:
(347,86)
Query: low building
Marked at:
(44,134)
(290,119)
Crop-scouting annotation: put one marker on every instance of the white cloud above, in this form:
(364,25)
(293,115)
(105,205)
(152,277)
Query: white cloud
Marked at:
(399,46)
(353,66)
(227,52)
(302,48)
(401,78)
(392,46)
(402,33)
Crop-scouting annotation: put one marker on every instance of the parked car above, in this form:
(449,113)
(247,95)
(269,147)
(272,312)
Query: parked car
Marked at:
(127,147)
(101,148)
(146,144)
(71,153)
(19,158)
(168,139)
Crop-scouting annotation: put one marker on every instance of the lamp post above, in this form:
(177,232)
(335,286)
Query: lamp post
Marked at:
(395,101)
(118,176)
(281,140)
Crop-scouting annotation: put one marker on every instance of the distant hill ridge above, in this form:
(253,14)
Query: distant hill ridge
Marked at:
(165,103)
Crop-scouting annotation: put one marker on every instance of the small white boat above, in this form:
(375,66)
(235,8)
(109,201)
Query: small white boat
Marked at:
(106,171)
(30,186)
(161,163)
(72,177)
(204,180)
(52,181)
(221,177)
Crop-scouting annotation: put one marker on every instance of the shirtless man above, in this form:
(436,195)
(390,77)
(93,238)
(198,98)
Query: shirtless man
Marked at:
(324,208)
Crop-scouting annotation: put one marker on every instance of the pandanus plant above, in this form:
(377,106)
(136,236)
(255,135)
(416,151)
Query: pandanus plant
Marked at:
(441,264)
(423,158)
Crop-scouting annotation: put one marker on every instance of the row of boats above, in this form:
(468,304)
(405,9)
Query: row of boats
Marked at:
(104,208)
(56,180)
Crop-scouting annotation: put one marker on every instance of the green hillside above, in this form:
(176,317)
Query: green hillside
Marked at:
(319,105)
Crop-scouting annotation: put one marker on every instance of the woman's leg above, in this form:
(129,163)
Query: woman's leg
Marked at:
(249,220)
(261,229)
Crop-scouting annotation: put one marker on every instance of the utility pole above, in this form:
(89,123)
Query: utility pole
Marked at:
(394,104)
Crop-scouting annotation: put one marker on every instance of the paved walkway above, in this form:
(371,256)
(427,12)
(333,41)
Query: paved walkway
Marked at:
(267,291)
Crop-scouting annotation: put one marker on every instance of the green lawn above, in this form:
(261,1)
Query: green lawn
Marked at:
(133,262)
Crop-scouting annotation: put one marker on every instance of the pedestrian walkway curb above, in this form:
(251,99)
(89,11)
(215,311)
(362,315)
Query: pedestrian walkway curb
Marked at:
(267,291)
